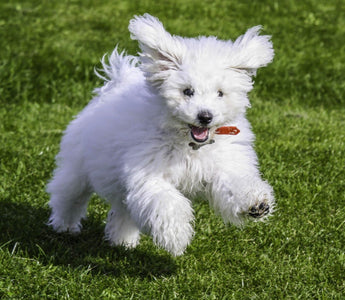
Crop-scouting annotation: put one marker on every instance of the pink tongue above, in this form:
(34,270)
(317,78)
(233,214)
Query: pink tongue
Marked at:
(199,133)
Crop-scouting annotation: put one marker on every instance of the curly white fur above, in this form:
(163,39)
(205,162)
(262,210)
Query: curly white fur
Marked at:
(132,143)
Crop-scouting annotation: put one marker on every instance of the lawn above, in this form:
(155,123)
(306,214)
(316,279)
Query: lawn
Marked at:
(48,53)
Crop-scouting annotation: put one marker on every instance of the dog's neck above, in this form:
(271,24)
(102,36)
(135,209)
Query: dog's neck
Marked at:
(197,146)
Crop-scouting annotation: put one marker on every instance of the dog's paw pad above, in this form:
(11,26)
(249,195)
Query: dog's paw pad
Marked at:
(259,210)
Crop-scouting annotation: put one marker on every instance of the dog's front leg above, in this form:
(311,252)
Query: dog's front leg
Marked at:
(159,209)
(238,197)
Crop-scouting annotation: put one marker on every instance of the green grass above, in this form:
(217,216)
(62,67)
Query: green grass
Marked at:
(48,52)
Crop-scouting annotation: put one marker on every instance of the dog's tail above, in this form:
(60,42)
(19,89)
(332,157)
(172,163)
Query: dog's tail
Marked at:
(119,70)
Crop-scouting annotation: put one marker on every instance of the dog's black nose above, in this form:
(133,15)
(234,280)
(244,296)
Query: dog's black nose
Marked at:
(205,117)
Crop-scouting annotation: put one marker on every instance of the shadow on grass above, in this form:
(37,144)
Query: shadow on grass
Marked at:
(23,232)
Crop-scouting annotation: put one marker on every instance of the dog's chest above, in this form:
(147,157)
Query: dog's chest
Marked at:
(189,173)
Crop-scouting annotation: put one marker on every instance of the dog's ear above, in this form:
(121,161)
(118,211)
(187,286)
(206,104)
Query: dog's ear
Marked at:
(161,52)
(251,51)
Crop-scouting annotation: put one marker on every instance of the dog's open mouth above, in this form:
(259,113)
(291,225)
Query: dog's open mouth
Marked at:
(199,134)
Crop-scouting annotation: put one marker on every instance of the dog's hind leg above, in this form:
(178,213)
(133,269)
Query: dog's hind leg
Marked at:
(69,197)
(121,229)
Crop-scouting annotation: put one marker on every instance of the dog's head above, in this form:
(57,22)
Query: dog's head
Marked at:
(203,80)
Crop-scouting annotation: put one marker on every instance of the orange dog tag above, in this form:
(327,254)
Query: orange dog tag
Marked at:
(231,130)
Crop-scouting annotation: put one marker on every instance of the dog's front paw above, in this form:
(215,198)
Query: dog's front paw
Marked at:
(259,210)
(260,202)
(173,237)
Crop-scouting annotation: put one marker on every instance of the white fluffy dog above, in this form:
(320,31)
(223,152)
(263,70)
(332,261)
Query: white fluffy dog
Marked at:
(167,126)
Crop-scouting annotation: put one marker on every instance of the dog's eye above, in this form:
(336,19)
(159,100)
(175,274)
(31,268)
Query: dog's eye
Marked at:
(220,93)
(188,92)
